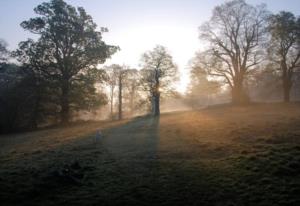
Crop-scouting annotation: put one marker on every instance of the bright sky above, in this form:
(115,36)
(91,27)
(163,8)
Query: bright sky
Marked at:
(136,25)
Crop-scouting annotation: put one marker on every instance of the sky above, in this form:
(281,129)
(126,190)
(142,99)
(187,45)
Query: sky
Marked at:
(136,26)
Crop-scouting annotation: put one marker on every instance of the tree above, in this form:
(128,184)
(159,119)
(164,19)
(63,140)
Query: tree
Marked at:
(42,86)
(121,75)
(117,76)
(17,99)
(265,84)
(235,34)
(112,81)
(132,83)
(70,49)
(24,93)
(3,51)
(284,47)
(9,101)
(158,75)
(201,88)
(200,83)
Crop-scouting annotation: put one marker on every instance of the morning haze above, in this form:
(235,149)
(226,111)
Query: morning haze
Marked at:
(150,102)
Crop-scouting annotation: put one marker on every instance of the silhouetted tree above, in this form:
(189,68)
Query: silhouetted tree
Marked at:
(17,99)
(284,47)
(265,84)
(3,51)
(235,33)
(133,89)
(43,86)
(117,76)
(112,82)
(121,75)
(70,49)
(158,75)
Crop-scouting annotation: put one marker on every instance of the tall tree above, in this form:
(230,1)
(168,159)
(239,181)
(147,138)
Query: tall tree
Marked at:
(132,83)
(122,74)
(112,82)
(117,76)
(71,48)
(158,75)
(284,47)
(43,86)
(235,34)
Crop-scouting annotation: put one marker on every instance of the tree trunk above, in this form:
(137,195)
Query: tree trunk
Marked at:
(131,104)
(239,96)
(112,103)
(156,94)
(65,107)
(286,90)
(286,80)
(132,92)
(153,104)
(157,104)
(120,98)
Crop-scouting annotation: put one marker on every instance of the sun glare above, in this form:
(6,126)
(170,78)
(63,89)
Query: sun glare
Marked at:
(182,42)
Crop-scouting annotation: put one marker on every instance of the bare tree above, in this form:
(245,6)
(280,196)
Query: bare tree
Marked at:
(112,73)
(132,84)
(284,48)
(235,34)
(116,79)
(158,75)
(122,75)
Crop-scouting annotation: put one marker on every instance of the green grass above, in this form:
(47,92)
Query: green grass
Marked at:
(220,156)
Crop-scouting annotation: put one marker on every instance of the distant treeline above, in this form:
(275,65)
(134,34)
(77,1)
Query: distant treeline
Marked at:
(252,54)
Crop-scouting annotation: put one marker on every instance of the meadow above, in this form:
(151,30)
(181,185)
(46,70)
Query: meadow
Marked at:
(222,155)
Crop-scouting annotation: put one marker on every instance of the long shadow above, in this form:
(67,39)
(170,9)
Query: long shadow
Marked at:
(80,165)
(143,176)
(137,173)
(131,150)
(123,168)
(135,142)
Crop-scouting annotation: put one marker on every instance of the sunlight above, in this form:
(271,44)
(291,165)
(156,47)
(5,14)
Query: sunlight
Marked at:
(182,42)
(129,102)
(184,81)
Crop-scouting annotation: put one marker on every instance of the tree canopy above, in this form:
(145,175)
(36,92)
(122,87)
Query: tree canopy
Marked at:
(67,52)
(284,47)
(159,73)
(235,34)
(3,51)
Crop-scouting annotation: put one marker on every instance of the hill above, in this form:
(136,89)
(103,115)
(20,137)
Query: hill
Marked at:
(217,156)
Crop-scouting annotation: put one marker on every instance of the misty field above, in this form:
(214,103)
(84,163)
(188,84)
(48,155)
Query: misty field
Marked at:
(217,156)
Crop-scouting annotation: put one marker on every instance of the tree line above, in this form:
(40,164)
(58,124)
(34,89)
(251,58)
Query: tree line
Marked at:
(61,73)
(247,46)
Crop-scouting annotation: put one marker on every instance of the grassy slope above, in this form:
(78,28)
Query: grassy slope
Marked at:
(219,156)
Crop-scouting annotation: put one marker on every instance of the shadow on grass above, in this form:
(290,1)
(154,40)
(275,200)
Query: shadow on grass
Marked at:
(126,167)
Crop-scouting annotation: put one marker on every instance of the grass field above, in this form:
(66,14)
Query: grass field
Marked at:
(218,156)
